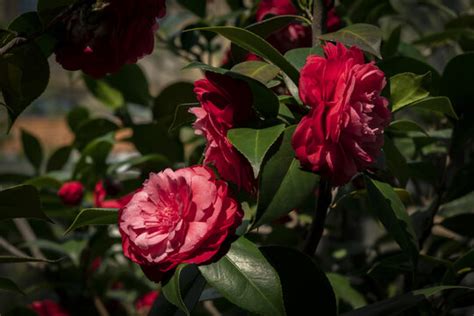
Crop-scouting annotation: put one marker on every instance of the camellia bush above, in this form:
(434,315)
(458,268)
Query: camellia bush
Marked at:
(321,165)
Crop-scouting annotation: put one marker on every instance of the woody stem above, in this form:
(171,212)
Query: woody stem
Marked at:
(318,19)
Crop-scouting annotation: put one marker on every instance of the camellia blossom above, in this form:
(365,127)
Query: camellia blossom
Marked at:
(182,216)
(48,308)
(343,132)
(71,193)
(226,103)
(101,40)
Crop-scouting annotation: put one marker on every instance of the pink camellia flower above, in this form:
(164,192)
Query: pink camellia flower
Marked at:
(145,302)
(100,40)
(182,216)
(100,194)
(48,308)
(343,132)
(225,103)
(71,193)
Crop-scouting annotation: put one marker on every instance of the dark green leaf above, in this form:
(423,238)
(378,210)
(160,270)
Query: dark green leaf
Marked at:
(462,205)
(131,82)
(396,162)
(318,294)
(8,285)
(182,116)
(282,177)
(13,259)
(407,88)
(160,143)
(257,70)
(172,290)
(345,292)
(405,126)
(32,149)
(257,45)
(59,158)
(391,212)
(460,224)
(21,202)
(167,101)
(146,164)
(390,48)
(255,143)
(196,7)
(76,117)
(246,279)
(91,129)
(49,9)
(91,165)
(191,284)
(94,216)
(365,36)
(297,57)
(268,26)
(44,182)
(104,92)
(436,104)
(25,75)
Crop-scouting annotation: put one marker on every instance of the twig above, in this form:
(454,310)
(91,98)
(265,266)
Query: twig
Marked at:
(17,252)
(29,236)
(318,20)
(99,305)
(319,219)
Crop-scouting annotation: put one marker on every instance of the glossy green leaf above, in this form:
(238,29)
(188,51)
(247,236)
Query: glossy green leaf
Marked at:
(91,164)
(104,92)
(255,143)
(182,116)
(462,205)
(256,45)
(25,76)
(246,279)
(131,82)
(191,285)
(76,117)
(92,129)
(345,292)
(59,158)
(94,216)
(436,104)
(391,212)
(365,36)
(405,126)
(22,201)
(161,142)
(146,164)
(32,149)
(8,285)
(281,177)
(172,290)
(318,293)
(170,97)
(14,259)
(396,162)
(257,70)
(268,26)
(44,182)
(407,88)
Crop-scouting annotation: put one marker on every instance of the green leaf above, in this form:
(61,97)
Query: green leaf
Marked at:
(22,201)
(257,45)
(44,182)
(167,101)
(25,76)
(396,162)
(92,129)
(390,47)
(407,88)
(268,26)
(246,279)
(94,216)
(160,143)
(32,149)
(436,104)
(399,304)
(182,116)
(131,82)
(257,70)
(297,57)
(59,158)
(191,285)
(391,212)
(13,259)
(460,267)
(405,126)
(172,290)
(76,117)
(365,36)
(8,285)
(462,205)
(460,224)
(284,260)
(345,292)
(146,164)
(282,177)
(255,143)
(104,92)
(92,163)
(48,9)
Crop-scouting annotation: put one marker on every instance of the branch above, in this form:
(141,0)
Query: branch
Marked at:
(319,219)
(318,20)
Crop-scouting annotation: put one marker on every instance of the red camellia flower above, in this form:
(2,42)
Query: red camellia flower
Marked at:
(101,40)
(100,194)
(343,132)
(145,302)
(48,308)
(71,193)
(181,216)
(225,103)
